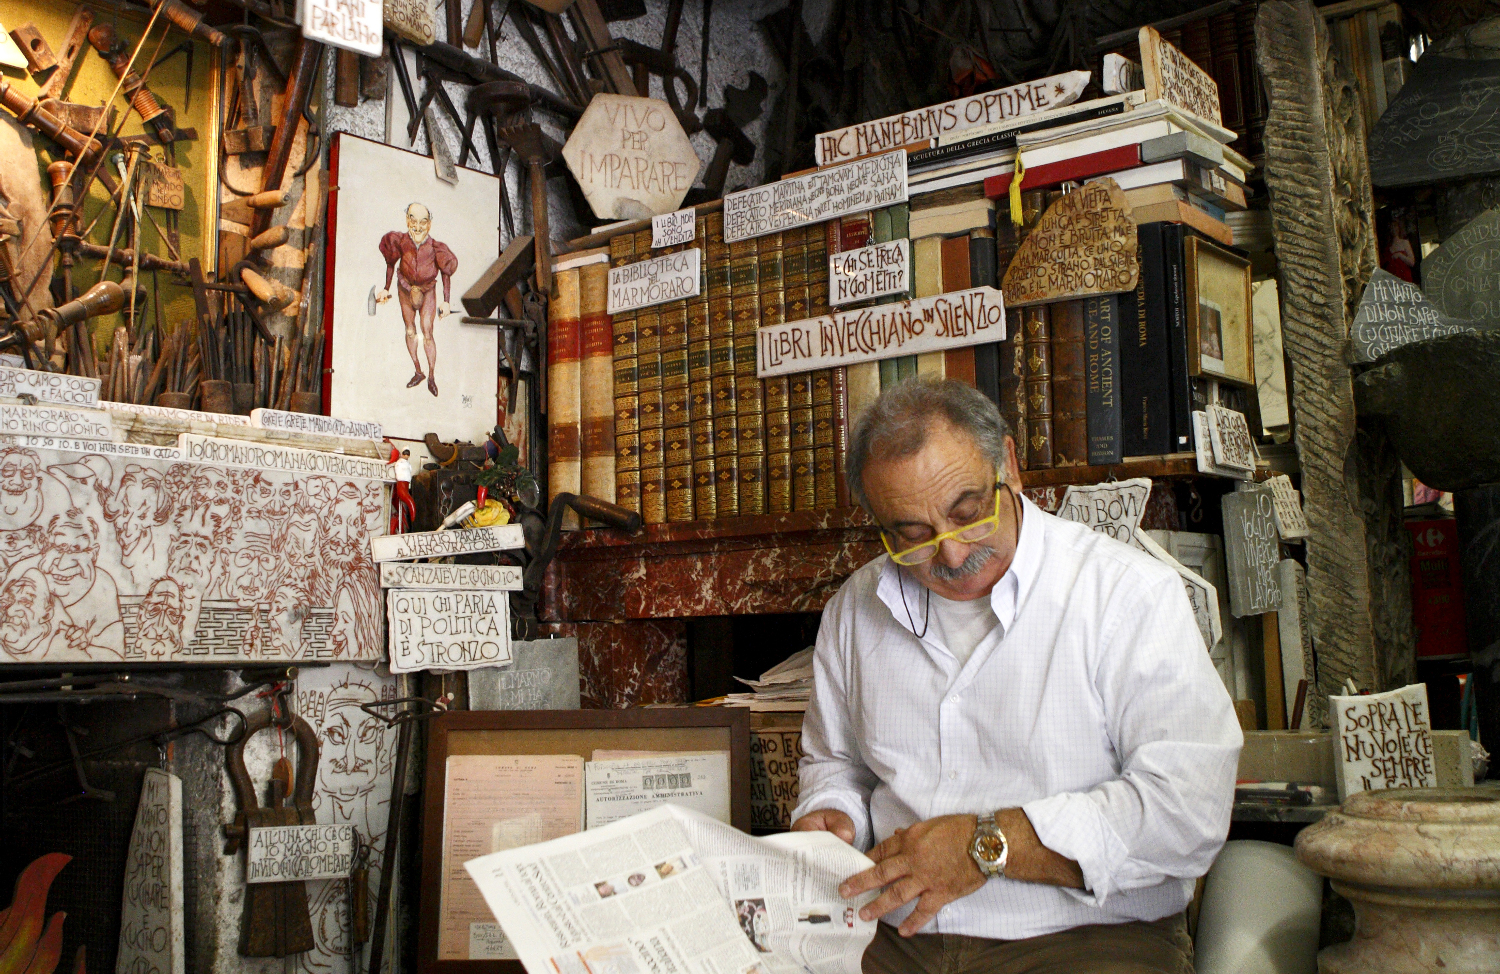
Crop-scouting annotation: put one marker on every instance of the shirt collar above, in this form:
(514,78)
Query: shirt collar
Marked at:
(1006,597)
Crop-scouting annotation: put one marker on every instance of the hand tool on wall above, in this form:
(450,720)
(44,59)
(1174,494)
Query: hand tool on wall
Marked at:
(36,50)
(146,105)
(299,88)
(536,150)
(34,114)
(72,46)
(189,21)
(592,28)
(651,61)
(478,70)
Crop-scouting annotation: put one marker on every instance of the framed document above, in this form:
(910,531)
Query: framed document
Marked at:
(500,779)
(1221,331)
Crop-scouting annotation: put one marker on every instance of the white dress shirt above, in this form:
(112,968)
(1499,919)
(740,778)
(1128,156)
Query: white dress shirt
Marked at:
(1093,706)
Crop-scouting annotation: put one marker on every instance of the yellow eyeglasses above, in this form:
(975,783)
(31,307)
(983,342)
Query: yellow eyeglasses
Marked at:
(927,550)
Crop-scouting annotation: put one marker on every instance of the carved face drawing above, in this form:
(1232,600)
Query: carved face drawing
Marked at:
(346,540)
(26,610)
(212,489)
(72,550)
(418,222)
(288,612)
(23,543)
(352,743)
(160,620)
(300,543)
(267,504)
(141,504)
(344,633)
(255,568)
(189,559)
(20,489)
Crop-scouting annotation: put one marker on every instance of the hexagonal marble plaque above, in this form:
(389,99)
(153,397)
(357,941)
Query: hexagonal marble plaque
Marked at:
(631,157)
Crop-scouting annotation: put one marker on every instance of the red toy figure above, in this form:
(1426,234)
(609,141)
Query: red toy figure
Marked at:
(403,508)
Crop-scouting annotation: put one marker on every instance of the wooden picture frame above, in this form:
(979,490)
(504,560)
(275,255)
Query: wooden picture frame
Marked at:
(523,732)
(1218,313)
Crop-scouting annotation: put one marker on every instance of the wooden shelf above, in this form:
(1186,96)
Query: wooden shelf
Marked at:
(1157,468)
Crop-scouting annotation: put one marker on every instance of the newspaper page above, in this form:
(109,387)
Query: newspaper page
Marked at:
(494,803)
(620,788)
(672,891)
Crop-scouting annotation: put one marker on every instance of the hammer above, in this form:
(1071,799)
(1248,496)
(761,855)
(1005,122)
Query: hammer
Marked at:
(533,146)
(733,145)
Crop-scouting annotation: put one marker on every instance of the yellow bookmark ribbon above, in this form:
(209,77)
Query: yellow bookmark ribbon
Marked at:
(1015,192)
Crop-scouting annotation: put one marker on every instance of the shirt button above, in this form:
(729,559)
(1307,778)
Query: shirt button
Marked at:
(952,775)
(953,699)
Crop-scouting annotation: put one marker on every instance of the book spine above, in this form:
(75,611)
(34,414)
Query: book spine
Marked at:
(648,379)
(982,274)
(677,442)
(750,401)
(864,378)
(927,280)
(906,365)
(1013,383)
(700,386)
(1038,353)
(830,387)
(825,461)
(1070,428)
(1225,70)
(627,391)
(596,382)
(777,266)
(841,423)
(564,375)
(821,241)
(1252,93)
(958,363)
(1145,396)
(1177,352)
(1101,342)
(721,372)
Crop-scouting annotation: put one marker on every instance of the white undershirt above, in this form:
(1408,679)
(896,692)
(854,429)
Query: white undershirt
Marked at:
(961,626)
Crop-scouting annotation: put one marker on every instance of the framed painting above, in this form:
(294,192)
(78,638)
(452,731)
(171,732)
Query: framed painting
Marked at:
(1221,331)
(403,246)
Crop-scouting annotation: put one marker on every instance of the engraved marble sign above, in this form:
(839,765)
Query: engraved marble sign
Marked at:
(53,387)
(105,448)
(443,544)
(171,415)
(284,459)
(350,24)
(673,229)
(1113,508)
(853,187)
(454,629)
(955,320)
(1229,436)
(1444,123)
(1252,551)
(287,853)
(1462,277)
(1383,740)
(1204,450)
(869,272)
(1173,77)
(78,424)
(1393,312)
(631,157)
(542,676)
(410,19)
(152,913)
(398,574)
(1290,522)
(277,419)
(670,277)
(1084,244)
(959,115)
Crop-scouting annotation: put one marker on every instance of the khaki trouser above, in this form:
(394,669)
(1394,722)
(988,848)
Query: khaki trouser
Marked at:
(1159,947)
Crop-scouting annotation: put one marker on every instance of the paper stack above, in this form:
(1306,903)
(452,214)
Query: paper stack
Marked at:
(785,686)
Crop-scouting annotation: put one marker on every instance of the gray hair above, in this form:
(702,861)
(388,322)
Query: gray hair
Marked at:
(897,423)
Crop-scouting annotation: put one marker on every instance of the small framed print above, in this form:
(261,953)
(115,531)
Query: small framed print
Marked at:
(1221,331)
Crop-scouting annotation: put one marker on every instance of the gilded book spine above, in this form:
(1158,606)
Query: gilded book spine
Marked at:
(648,354)
(1070,426)
(627,392)
(780,270)
(564,363)
(721,371)
(824,463)
(1038,353)
(700,387)
(800,416)
(677,454)
(597,381)
(750,400)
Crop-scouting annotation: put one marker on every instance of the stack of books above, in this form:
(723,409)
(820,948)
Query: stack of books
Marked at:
(787,686)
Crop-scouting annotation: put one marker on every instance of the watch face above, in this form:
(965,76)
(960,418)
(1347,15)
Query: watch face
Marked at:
(989,847)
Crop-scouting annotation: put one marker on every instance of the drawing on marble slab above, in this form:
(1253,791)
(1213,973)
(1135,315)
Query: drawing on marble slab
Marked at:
(111,559)
(353,788)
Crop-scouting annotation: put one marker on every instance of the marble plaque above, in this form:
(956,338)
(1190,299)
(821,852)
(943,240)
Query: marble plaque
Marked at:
(410,19)
(869,272)
(104,448)
(1393,312)
(287,853)
(1173,77)
(673,229)
(1443,124)
(1084,244)
(281,459)
(1291,524)
(1297,661)
(955,320)
(1252,551)
(670,277)
(277,419)
(444,544)
(184,416)
(959,115)
(1462,277)
(152,914)
(542,676)
(1113,508)
(1204,450)
(399,574)
(1229,436)
(1383,740)
(53,387)
(78,424)
(354,25)
(452,629)
(631,157)
(854,187)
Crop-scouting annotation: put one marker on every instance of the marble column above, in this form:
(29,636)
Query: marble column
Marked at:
(1478,512)
(1422,868)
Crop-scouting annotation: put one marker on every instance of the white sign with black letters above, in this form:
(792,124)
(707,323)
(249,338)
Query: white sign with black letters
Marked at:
(1113,508)
(869,272)
(54,387)
(1383,740)
(854,187)
(399,574)
(673,229)
(288,853)
(443,544)
(1229,435)
(670,277)
(78,424)
(280,419)
(1290,521)
(460,629)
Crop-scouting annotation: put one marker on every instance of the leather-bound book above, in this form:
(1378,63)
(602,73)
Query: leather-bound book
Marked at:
(800,412)
(627,392)
(1038,352)
(648,379)
(1070,424)
(700,386)
(596,381)
(782,274)
(958,363)
(721,371)
(750,400)
(564,375)
(677,457)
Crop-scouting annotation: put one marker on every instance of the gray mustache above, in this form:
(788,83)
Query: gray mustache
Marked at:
(978,558)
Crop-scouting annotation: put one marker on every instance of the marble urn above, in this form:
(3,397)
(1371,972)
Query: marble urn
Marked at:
(1422,868)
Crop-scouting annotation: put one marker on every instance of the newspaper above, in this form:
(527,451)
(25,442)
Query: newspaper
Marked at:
(671,891)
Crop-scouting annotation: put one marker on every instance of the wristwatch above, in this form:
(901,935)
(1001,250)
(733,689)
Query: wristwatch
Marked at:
(988,848)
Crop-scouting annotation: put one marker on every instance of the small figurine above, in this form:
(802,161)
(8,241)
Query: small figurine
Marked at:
(403,508)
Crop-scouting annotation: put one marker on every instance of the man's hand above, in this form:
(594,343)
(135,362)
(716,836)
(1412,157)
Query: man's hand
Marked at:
(928,862)
(381,297)
(445,309)
(827,820)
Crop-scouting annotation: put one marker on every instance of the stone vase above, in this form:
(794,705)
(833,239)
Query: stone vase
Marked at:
(1422,868)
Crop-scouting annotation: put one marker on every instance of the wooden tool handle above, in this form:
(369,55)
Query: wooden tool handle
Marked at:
(539,227)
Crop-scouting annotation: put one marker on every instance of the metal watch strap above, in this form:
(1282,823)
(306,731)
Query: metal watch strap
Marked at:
(985,827)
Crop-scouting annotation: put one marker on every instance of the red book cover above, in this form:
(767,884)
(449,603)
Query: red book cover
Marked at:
(1079,167)
(1437,590)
